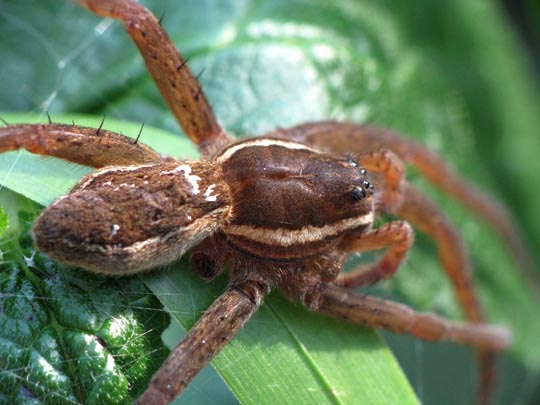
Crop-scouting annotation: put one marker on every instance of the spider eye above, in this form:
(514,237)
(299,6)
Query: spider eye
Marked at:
(358,193)
(352,162)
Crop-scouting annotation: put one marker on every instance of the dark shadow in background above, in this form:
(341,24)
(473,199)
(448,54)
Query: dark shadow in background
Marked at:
(525,16)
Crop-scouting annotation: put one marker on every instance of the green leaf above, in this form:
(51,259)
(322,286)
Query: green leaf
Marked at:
(449,74)
(69,337)
(3,221)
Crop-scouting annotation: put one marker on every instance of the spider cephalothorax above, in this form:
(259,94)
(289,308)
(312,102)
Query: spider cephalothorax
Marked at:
(282,210)
(290,201)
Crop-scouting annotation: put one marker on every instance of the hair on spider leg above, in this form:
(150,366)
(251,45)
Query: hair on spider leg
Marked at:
(198,76)
(200,90)
(98,130)
(198,94)
(4,121)
(183,64)
(160,19)
(138,135)
(49,117)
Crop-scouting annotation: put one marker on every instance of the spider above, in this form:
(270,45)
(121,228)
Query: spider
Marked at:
(279,211)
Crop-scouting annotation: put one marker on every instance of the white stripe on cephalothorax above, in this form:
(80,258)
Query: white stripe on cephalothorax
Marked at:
(227,153)
(288,237)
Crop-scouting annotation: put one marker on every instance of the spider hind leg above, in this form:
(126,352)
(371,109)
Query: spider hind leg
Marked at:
(209,335)
(177,84)
(81,145)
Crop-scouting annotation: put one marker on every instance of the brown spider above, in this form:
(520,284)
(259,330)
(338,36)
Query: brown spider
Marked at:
(280,211)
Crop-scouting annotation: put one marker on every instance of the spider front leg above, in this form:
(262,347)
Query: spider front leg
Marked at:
(387,166)
(177,84)
(85,146)
(209,335)
(371,311)
(410,204)
(424,214)
(398,236)
(401,198)
(375,312)
(358,139)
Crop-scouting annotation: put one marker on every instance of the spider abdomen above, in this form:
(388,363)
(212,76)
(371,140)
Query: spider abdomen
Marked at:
(290,201)
(121,220)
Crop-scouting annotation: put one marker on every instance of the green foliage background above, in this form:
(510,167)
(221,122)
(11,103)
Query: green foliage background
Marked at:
(448,73)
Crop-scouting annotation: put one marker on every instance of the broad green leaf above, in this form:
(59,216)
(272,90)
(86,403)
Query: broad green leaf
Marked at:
(69,337)
(449,74)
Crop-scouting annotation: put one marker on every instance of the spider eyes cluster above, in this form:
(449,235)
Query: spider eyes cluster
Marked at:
(360,192)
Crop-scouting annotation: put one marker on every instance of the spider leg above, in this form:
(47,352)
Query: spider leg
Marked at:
(376,312)
(387,164)
(410,204)
(360,139)
(85,146)
(371,311)
(415,207)
(398,236)
(175,81)
(424,214)
(209,335)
